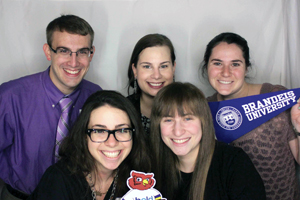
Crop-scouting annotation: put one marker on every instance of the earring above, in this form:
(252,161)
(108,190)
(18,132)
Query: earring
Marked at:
(174,78)
(134,86)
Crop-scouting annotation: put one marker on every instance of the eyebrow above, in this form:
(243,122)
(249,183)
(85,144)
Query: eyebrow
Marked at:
(222,60)
(237,61)
(184,114)
(117,126)
(151,63)
(216,60)
(120,125)
(70,49)
(99,125)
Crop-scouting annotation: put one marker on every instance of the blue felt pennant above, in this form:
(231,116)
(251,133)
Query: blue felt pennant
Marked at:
(236,117)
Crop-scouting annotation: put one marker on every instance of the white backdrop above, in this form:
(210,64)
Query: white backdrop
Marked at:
(272,29)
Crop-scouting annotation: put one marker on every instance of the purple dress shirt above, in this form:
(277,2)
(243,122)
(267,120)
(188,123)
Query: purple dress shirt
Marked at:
(29,113)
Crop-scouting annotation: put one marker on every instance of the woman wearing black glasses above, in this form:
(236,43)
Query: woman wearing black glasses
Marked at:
(105,144)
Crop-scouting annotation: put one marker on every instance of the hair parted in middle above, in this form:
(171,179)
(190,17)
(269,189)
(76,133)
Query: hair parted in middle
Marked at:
(150,40)
(229,38)
(74,148)
(181,98)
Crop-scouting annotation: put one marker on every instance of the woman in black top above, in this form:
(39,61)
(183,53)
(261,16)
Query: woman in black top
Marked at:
(151,67)
(190,164)
(104,145)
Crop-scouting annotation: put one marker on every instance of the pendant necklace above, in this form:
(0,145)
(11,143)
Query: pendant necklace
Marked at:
(96,193)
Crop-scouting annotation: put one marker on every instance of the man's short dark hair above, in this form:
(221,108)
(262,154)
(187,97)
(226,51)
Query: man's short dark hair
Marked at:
(71,24)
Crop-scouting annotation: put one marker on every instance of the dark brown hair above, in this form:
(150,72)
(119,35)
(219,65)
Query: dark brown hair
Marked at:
(150,40)
(74,148)
(71,24)
(229,38)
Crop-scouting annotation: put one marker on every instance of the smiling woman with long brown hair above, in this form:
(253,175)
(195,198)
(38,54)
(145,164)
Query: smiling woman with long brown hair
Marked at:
(105,144)
(189,164)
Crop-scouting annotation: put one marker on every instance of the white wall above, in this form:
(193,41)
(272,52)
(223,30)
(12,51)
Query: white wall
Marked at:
(190,24)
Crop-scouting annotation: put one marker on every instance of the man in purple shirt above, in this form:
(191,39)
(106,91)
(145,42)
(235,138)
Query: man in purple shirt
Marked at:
(30,110)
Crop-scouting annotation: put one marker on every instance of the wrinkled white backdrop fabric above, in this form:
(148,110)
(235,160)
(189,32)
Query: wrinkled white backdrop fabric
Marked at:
(272,29)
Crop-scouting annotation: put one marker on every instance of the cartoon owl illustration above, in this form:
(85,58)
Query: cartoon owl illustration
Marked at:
(141,187)
(141,181)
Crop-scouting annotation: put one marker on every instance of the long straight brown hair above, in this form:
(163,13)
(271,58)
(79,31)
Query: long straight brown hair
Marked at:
(181,98)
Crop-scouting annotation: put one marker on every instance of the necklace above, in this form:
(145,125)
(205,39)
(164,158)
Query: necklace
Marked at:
(99,193)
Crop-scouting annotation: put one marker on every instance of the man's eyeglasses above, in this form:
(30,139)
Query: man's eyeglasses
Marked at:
(64,52)
(102,135)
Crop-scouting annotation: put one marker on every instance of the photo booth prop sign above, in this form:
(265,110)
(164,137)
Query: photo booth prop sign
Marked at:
(141,187)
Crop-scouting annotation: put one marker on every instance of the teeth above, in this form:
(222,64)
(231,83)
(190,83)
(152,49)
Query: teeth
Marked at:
(225,82)
(111,154)
(180,141)
(155,84)
(72,72)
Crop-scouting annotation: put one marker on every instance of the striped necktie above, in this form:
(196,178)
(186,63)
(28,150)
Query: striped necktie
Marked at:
(63,123)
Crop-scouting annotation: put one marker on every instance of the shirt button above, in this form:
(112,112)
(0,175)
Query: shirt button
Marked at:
(53,105)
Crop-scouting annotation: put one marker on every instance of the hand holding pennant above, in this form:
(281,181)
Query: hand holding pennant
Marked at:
(295,116)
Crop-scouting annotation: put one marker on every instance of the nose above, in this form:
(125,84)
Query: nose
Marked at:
(178,129)
(156,73)
(73,59)
(111,141)
(226,70)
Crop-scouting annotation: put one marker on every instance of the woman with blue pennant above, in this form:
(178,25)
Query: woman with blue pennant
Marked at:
(241,110)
